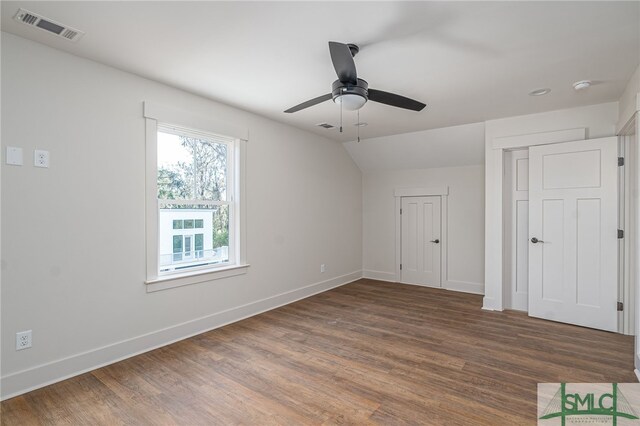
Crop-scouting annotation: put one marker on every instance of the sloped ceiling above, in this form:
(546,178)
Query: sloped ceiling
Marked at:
(445,147)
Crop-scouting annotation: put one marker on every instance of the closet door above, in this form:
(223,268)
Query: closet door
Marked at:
(517,229)
(573,246)
(420,252)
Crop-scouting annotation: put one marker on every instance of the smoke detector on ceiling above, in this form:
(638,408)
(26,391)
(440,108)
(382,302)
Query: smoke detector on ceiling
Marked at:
(540,92)
(34,20)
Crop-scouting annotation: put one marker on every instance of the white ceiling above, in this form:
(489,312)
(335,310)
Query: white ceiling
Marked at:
(443,147)
(469,61)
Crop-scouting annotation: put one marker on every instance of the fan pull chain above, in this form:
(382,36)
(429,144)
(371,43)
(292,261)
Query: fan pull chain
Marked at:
(358,126)
(341,100)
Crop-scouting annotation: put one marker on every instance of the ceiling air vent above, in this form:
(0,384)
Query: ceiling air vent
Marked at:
(60,30)
(325,125)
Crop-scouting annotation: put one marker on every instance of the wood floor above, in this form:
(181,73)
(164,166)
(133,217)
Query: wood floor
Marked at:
(365,353)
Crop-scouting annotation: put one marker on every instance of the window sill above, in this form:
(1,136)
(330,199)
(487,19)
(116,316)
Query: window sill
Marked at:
(179,280)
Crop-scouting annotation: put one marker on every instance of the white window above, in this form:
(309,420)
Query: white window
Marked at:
(193,201)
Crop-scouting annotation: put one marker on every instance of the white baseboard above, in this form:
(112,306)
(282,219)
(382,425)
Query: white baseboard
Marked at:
(20,382)
(379,275)
(488,304)
(637,374)
(461,286)
(464,286)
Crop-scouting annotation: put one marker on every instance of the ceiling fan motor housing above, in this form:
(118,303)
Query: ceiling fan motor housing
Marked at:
(339,88)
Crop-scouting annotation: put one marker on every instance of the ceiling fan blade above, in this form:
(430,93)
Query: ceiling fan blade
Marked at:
(343,62)
(310,103)
(395,100)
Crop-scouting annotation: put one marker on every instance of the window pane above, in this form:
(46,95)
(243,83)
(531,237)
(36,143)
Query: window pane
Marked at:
(175,168)
(187,246)
(177,248)
(191,168)
(199,223)
(188,224)
(177,243)
(210,246)
(199,245)
(177,224)
(211,169)
(221,228)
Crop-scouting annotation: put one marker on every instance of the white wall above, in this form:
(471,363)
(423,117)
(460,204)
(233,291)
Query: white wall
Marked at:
(444,147)
(596,120)
(465,233)
(630,100)
(73,242)
(450,156)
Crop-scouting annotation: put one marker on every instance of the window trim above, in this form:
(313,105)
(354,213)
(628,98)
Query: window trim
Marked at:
(237,212)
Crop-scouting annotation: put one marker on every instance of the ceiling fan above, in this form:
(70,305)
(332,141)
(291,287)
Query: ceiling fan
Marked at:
(353,92)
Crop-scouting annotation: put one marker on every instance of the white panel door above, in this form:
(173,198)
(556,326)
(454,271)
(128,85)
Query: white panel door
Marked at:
(517,233)
(573,233)
(420,251)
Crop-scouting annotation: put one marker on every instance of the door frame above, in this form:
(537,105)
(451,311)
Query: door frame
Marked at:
(495,293)
(627,220)
(443,192)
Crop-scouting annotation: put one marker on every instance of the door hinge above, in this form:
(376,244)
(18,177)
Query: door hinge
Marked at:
(620,233)
(401,266)
(620,306)
(620,161)
(400,211)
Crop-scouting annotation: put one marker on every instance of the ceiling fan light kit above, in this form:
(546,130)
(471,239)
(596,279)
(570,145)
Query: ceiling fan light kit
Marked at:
(350,102)
(351,97)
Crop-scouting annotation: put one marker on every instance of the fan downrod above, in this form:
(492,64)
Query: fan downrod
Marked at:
(353,48)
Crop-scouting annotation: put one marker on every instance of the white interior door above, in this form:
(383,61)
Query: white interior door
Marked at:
(517,228)
(421,241)
(573,233)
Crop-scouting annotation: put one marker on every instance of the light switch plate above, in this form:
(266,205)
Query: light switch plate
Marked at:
(14,156)
(41,158)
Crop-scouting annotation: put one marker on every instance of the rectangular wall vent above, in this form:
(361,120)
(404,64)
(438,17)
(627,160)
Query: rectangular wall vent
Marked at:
(55,28)
(325,125)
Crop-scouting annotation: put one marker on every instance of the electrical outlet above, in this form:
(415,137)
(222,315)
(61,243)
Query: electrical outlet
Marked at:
(323,268)
(23,340)
(41,158)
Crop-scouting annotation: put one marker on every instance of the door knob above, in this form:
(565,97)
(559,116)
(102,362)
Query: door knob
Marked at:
(435,241)
(534,240)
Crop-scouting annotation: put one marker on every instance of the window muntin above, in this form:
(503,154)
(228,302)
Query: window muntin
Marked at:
(195,200)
